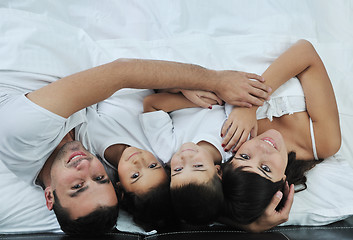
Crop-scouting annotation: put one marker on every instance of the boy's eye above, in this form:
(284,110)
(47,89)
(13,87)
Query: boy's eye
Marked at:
(135,175)
(266,168)
(245,156)
(77,186)
(178,169)
(153,165)
(198,165)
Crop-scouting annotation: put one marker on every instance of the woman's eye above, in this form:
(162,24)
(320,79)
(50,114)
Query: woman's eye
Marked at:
(245,156)
(266,168)
(77,186)
(135,175)
(153,165)
(198,165)
(178,169)
(99,178)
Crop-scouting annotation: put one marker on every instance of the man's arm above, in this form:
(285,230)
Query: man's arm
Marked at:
(70,94)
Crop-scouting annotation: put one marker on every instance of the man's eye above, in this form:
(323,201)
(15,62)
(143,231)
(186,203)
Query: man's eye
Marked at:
(153,165)
(77,186)
(245,156)
(99,178)
(198,165)
(135,175)
(178,169)
(266,168)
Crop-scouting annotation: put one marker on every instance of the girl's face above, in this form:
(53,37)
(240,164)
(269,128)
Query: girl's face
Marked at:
(265,155)
(192,163)
(139,171)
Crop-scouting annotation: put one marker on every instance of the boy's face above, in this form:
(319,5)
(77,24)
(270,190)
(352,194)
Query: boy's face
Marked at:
(139,171)
(192,163)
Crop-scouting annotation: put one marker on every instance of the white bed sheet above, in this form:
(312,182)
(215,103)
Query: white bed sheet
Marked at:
(225,34)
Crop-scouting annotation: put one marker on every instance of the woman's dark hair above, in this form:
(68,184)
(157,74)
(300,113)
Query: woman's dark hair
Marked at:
(100,221)
(247,194)
(198,204)
(296,169)
(151,210)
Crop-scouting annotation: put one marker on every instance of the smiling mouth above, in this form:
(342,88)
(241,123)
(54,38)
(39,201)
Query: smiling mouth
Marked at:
(270,141)
(135,153)
(188,149)
(76,156)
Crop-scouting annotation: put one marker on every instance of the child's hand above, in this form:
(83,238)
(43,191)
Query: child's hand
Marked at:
(202,98)
(240,123)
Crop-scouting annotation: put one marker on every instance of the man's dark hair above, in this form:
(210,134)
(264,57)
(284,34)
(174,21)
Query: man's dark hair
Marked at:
(247,194)
(198,204)
(151,210)
(98,222)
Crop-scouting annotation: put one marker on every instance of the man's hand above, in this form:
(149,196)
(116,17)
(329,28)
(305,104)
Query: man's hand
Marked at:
(237,88)
(202,98)
(271,217)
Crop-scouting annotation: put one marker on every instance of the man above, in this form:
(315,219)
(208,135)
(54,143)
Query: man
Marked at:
(39,130)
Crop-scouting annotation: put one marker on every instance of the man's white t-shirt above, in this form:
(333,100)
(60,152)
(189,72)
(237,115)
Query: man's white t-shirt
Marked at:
(30,133)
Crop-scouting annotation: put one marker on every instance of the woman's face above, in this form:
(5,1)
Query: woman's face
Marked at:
(192,163)
(139,171)
(265,155)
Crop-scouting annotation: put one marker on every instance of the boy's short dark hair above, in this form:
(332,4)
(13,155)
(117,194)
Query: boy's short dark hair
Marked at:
(98,222)
(198,204)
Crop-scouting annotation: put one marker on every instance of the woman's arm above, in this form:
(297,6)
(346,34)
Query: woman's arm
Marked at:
(302,60)
(77,91)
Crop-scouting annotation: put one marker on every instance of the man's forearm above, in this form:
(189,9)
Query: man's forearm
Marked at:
(154,74)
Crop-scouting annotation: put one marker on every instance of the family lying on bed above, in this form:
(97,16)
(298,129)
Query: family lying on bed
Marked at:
(176,161)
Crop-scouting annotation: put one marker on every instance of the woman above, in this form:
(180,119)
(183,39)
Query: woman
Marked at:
(289,145)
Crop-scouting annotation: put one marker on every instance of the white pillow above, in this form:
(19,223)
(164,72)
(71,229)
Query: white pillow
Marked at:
(329,196)
(22,207)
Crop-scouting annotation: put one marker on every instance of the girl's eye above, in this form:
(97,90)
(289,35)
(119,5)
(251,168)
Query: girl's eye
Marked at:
(135,175)
(178,169)
(153,165)
(198,165)
(99,178)
(245,156)
(266,168)
(77,186)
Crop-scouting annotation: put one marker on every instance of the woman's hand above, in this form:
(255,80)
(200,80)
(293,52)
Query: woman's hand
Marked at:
(271,217)
(202,98)
(240,123)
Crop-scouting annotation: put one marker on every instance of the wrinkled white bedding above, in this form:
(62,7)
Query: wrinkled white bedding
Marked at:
(224,34)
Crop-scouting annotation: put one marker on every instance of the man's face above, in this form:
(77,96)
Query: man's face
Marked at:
(80,181)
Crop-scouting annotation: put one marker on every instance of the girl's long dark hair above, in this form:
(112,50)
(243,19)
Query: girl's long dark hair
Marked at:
(247,194)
